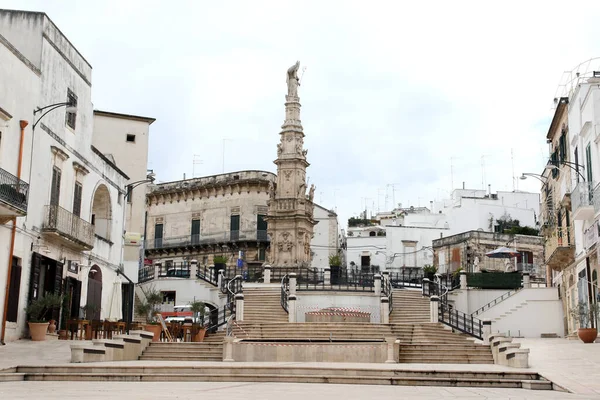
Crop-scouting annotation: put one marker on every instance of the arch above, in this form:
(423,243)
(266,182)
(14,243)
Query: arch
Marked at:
(102,211)
(372,233)
(94,293)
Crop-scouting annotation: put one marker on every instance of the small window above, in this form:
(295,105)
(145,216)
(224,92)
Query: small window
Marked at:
(131,138)
(71,117)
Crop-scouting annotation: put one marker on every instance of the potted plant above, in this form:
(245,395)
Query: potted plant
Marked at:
(586,316)
(38,313)
(335,262)
(429,271)
(148,309)
(198,309)
(220,263)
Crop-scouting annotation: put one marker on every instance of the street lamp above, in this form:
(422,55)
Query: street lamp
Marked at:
(149,179)
(71,107)
(541,178)
(574,166)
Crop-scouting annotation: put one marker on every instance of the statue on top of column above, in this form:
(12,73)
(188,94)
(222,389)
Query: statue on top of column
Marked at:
(292,80)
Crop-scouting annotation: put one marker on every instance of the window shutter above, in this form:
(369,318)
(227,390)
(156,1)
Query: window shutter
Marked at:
(77,199)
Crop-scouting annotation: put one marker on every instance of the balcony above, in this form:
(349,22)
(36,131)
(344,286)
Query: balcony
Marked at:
(13,196)
(73,231)
(206,239)
(560,248)
(582,200)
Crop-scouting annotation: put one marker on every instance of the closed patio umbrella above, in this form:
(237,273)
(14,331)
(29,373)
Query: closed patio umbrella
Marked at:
(116,303)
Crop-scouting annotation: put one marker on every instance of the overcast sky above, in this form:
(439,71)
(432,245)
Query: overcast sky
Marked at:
(394,93)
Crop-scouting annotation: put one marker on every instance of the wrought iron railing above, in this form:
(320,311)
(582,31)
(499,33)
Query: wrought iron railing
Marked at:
(387,291)
(460,321)
(252,273)
(233,287)
(206,238)
(146,273)
(285,292)
(174,270)
(217,317)
(560,237)
(408,277)
(492,303)
(13,191)
(65,223)
(450,316)
(207,274)
(340,280)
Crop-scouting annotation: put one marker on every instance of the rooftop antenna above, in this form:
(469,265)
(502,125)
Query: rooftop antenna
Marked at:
(196,161)
(514,179)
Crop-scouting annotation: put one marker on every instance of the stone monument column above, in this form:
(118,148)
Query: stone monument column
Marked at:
(290,216)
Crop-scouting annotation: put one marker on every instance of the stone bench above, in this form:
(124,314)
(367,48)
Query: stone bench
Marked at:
(84,353)
(505,352)
(114,349)
(133,346)
(495,343)
(517,358)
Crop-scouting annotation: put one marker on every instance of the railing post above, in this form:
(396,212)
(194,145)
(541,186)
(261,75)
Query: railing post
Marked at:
(193,269)
(425,287)
(292,308)
(463,280)
(526,280)
(239,307)
(157,270)
(220,278)
(377,279)
(434,307)
(384,310)
(292,284)
(487,331)
(228,349)
(267,274)
(327,276)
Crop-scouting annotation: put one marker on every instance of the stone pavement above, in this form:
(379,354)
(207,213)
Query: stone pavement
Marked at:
(568,363)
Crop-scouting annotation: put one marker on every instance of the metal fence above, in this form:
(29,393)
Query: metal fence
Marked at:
(63,222)
(146,273)
(13,191)
(206,238)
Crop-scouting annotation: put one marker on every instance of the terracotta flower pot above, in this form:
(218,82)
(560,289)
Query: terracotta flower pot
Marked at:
(199,336)
(38,330)
(155,329)
(587,335)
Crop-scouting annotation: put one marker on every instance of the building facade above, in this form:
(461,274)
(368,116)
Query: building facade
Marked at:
(66,238)
(326,241)
(467,251)
(124,139)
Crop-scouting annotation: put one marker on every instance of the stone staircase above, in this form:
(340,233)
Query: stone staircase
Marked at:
(211,349)
(263,305)
(384,374)
(409,307)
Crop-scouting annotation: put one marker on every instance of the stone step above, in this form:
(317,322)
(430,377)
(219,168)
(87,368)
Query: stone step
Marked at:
(281,369)
(158,352)
(216,357)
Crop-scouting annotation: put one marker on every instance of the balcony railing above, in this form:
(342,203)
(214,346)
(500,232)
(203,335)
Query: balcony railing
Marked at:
(65,224)
(582,200)
(206,238)
(13,191)
(596,199)
(560,247)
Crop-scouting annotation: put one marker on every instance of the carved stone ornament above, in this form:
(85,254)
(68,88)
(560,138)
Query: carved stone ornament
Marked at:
(287,174)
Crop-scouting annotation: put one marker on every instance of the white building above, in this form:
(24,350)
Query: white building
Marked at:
(69,222)
(326,241)
(403,237)
(124,139)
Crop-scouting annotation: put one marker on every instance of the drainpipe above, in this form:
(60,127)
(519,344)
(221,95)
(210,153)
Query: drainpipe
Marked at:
(23,124)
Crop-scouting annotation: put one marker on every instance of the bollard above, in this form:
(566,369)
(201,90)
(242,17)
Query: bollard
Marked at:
(487,330)
(267,274)
(327,276)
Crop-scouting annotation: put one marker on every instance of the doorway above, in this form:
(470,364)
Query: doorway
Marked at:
(94,294)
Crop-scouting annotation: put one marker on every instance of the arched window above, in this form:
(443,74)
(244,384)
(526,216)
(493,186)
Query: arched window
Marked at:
(372,233)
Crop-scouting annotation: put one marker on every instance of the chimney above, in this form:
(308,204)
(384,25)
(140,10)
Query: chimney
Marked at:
(490,189)
(184,176)
(463,185)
